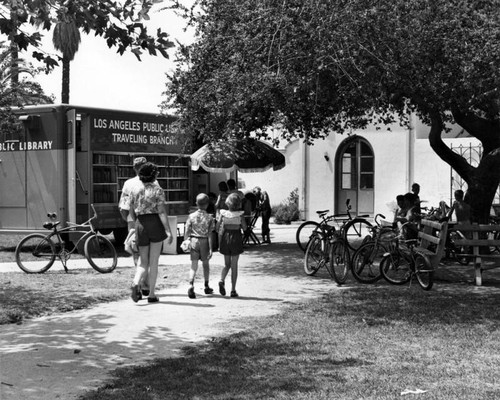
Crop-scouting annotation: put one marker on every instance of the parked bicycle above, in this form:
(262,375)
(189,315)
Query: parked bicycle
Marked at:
(306,230)
(36,253)
(399,265)
(454,252)
(495,220)
(352,229)
(327,248)
(365,264)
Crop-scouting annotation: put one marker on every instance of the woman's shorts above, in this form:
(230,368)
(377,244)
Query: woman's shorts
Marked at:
(149,229)
(199,248)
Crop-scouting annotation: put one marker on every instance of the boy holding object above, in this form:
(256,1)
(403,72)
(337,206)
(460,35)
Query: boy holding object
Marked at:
(199,228)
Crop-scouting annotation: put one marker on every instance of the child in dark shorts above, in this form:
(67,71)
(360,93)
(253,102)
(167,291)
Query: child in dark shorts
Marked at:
(199,230)
(231,223)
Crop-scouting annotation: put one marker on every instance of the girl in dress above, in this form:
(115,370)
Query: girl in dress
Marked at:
(230,224)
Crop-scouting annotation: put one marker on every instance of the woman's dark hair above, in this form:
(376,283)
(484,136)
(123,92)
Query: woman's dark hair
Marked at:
(223,186)
(148,172)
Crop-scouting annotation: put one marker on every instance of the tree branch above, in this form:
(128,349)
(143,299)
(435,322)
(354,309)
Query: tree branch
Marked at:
(456,161)
(487,131)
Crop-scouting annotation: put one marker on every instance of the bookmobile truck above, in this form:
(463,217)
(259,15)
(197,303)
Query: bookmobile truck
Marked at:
(66,158)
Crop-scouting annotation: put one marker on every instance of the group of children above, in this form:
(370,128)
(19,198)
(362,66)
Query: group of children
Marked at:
(229,226)
(408,212)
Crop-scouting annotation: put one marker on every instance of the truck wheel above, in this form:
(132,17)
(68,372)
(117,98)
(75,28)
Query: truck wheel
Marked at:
(120,235)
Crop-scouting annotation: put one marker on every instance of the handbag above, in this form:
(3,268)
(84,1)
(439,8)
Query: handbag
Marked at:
(130,243)
(186,245)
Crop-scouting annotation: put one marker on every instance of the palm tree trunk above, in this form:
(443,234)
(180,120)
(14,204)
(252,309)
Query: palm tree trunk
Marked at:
(14,50)
(65,81)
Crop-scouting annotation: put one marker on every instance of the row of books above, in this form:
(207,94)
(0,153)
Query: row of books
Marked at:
(104,175)
(125,160)
(104,195)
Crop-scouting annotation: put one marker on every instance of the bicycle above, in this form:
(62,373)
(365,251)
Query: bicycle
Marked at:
(351,228)
(36,253)
(403,262)
(454,252)
(495,220)
(326,248)
(306,230)
(365,264)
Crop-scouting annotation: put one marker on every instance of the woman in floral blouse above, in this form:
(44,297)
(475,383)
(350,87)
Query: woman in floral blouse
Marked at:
(147,209)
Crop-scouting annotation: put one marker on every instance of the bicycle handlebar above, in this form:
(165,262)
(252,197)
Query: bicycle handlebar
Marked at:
(53,216)
(382,216)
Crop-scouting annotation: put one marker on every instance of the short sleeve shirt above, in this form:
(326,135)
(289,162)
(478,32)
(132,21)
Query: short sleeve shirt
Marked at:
(128,186)
(147,198)
(200,224)
(232,219)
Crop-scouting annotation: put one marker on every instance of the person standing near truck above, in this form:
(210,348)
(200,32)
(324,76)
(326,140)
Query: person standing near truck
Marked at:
(124,206)
(148,211)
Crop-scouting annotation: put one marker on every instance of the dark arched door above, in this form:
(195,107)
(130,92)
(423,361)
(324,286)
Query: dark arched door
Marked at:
(355,175)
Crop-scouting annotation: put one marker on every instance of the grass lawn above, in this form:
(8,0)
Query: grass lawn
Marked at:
(367,342)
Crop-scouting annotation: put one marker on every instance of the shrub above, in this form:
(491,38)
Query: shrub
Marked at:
(287,211)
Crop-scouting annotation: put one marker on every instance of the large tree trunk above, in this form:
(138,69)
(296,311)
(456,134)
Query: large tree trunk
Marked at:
(483,180)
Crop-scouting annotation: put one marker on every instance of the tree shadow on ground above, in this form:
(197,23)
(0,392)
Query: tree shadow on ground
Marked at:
(228,368)
(287,260)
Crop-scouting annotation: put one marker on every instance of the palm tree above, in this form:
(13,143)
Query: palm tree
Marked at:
(10,68)
(15,92)
(66,39)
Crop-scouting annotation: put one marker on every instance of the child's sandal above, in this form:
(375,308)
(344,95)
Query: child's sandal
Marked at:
(234,294)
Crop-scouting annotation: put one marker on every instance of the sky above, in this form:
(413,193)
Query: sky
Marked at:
(100,77)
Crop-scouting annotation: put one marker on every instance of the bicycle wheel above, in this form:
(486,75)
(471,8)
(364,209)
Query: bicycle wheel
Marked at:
(338,261)
(35,254)
(315,255)
(395,267)
(456,251)
(494,236)
(365,264)
(304,233)
(424,271)
(355,232)
(100,253)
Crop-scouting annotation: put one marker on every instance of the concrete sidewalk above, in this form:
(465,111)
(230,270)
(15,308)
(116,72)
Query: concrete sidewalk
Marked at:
(63,355)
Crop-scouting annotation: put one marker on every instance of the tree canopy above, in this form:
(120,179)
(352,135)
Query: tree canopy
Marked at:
(17,94)
(317,66)
(119,23)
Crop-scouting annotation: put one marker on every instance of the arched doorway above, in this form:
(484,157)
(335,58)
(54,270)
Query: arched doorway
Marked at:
(355,176)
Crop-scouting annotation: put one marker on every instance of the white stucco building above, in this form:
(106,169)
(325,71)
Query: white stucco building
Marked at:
(370,167)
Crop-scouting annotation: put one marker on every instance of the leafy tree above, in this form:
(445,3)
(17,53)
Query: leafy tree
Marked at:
(119,23)
(317,66)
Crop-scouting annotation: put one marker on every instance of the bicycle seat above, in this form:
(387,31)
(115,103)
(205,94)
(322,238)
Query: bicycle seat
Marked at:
(51,225)
(321,214)
(341,216)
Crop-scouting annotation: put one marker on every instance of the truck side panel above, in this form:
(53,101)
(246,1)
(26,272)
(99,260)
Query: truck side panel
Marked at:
(12,189)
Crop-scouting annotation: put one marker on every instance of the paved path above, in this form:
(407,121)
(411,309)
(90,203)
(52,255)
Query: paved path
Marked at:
(63,355)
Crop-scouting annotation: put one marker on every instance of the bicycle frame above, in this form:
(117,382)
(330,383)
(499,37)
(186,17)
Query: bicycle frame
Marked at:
(84,229)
